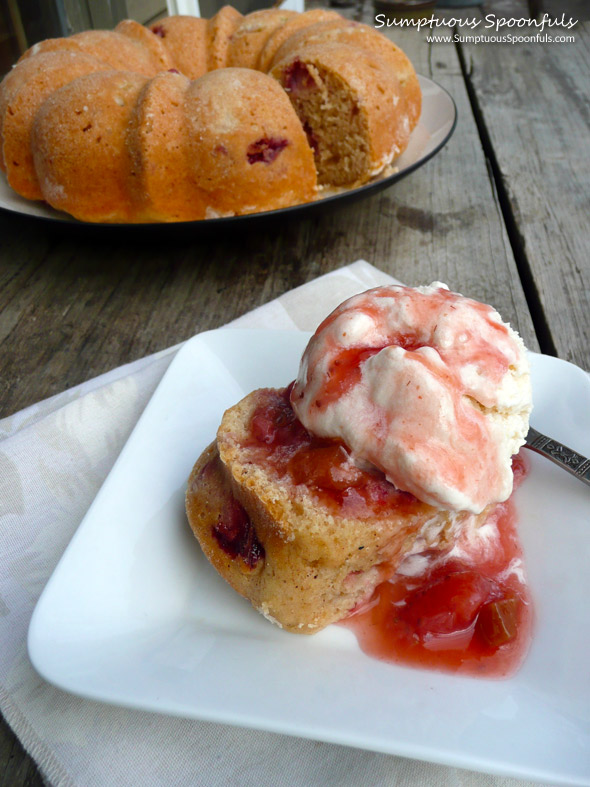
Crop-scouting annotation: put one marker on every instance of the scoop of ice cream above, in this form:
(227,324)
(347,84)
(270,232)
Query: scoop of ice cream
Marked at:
(431,388)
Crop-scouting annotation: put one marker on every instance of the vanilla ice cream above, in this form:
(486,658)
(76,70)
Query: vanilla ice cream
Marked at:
(431,388)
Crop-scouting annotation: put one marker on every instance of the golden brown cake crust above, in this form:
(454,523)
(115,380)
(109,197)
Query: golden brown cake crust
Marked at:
(22,93)
(313,564)
(292,25)
(68,119)
(160,57)
(252,33)
(220,29)
(185,38)
(115,49)
(162,187)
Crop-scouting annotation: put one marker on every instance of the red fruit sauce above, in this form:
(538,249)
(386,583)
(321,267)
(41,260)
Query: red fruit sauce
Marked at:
(346,369)
(466,611)
(468,614)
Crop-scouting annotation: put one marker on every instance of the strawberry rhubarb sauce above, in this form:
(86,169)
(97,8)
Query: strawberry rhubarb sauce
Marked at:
(429,387)
(466,610)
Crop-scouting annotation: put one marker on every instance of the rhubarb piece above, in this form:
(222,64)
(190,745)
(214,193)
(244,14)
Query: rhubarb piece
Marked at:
(497,623)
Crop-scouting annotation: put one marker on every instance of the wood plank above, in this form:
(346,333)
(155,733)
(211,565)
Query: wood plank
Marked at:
(534,104)
(458,211)
(16,767)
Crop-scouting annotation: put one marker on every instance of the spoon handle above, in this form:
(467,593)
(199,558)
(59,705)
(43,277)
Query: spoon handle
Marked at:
(565,457)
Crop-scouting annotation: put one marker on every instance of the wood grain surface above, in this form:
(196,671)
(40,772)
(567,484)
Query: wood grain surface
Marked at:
(500,215)
(532,99)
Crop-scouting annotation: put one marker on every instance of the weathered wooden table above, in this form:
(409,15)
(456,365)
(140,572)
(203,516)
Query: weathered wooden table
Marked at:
(501,215)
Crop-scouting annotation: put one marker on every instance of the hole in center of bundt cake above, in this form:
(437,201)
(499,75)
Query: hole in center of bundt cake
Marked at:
(265,150)
(235,533)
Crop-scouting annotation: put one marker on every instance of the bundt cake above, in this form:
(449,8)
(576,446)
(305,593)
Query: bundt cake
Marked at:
(195,118)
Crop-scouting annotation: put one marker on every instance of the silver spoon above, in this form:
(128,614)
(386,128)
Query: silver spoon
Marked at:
(565,457)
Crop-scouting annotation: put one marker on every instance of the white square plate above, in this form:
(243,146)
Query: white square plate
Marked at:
(134,615)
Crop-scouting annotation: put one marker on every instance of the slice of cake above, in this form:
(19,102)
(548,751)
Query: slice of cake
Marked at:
(392,450)
(292,524)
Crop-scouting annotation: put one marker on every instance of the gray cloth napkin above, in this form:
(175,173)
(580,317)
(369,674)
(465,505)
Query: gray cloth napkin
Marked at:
(54,457)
